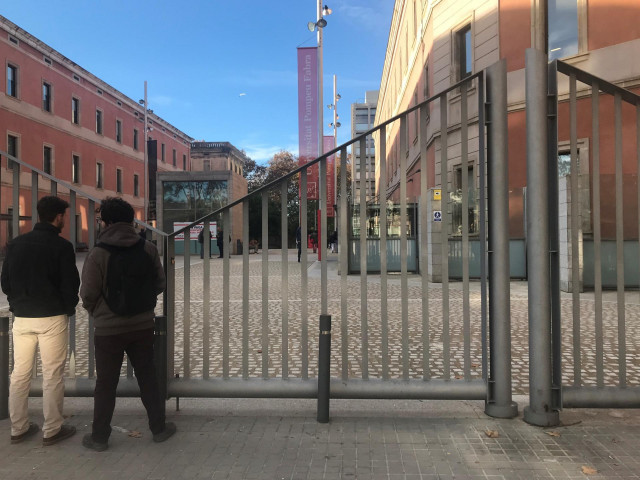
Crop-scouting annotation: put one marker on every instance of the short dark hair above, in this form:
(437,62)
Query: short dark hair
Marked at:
(49,207)
(114,210)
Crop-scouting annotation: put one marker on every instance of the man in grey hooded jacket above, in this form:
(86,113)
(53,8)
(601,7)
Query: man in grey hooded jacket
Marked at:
(115,333)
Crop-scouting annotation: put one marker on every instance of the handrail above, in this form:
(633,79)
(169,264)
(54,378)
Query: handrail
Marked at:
(73,189)
(286,177)
(604,85)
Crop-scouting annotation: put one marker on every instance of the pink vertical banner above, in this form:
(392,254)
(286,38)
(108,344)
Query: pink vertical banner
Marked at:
(329,143)
(308,115)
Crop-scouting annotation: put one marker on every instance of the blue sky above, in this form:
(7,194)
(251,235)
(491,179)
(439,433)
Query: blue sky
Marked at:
(198,56)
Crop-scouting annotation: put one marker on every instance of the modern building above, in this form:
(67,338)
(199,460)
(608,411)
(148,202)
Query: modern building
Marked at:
(66,122)
(362,119)
(433,44)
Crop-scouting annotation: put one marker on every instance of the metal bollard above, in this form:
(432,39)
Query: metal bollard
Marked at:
(324,361)
(4,368)
(160,354)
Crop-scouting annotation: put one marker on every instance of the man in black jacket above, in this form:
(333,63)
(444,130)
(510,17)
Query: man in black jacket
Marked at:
(129,331)
(40,278)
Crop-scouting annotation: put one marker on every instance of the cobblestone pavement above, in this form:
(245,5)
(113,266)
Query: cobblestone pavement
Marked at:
(364,440)
(352,342)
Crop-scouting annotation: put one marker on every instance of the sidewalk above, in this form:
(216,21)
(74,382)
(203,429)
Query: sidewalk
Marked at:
(280,439)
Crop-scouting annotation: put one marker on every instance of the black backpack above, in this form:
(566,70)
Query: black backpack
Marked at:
(131,280)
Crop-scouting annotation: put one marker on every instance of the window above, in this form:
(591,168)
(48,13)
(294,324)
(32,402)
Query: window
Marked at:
(118,180)
(47,155)
(563,28)
(75,168)
(464,61)
(456,197)
(136,186)
(135,139)
(12,149)
(206,165)
(184,162)
(75,110)
(426,80)
(174,157)
(162,157)
(46,97)
(99,176)
(99,122)
(12,81)
(119,131)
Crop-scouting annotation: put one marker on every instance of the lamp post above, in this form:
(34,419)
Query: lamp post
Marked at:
(144,103)
(335,124)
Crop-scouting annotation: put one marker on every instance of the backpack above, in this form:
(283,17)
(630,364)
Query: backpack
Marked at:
(131,279)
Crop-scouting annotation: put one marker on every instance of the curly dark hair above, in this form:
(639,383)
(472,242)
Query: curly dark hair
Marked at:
(50,206)
(114,210)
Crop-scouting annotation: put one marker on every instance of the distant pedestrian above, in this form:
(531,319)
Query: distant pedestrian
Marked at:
(333,241)
(143,233)
(40,278)
(299,241)
(201,242)
(121,279)
(220,243)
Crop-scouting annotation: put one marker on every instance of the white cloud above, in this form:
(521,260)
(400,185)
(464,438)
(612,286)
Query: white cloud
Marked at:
(370,15)
(262,153)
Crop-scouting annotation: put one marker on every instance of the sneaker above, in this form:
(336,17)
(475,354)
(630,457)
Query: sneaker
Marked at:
(65,432)
(169,430)
(32,430)
(90,443)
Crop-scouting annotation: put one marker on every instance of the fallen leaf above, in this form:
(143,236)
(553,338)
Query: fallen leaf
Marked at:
(491,433)
(475,365)
(135,434)
(589,470)
(459,377)
(553,434)
(259,351)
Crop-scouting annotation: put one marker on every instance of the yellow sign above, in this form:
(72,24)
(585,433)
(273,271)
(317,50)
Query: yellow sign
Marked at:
(437,194)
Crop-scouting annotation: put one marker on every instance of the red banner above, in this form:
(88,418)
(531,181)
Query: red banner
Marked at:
(329,144)
(308,115)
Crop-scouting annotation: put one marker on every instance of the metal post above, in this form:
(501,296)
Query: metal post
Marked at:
(4,368)
(499,402)
(324,359)
(146,157)
(540,410)
(160,356)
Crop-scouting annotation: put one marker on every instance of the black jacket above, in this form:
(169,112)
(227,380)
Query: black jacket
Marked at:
(39,274)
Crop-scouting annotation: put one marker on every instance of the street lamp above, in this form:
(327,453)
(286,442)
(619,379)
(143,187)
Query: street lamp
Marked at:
(335,124)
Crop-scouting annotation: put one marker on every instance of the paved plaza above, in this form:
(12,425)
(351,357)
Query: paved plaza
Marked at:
(381,439)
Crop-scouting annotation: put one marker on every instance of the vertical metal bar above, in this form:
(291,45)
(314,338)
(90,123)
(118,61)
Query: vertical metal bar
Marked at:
(364,320)
(170,300)
(304,278)
(404,148)
(72,219)
(226,280)
(464,163)
(482,162)
(323,236)
(499,403)
(575,231)
(34,198)
(15,219)
(597,234)
(444,235)
(324,368)
(638,178)
(4,368)
(383,252)
(92,349)
(554,235)
(539,412)
(245,290)
(284,250)
(622,329)
(265,285)
(424,241)
(160,356)
(343,251)
(91,223)
(206,298)
(72,346)
(186,314)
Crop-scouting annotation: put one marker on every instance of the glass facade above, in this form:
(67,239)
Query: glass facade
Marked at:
(187,201)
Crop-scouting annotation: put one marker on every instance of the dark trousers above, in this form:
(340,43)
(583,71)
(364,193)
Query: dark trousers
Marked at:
(110,351)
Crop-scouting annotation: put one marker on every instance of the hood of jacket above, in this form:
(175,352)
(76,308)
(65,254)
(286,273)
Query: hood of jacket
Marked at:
(119,234)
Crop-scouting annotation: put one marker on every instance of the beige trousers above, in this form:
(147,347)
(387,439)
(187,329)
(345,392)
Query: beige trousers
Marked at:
(51,334)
